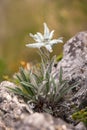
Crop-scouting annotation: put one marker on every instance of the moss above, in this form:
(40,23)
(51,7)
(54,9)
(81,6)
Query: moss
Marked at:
(59,57)
(81,115)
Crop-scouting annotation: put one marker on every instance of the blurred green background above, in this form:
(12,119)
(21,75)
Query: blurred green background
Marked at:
(20,17)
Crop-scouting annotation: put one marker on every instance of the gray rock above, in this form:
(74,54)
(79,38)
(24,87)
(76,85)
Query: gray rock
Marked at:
(39,121)
(11,106)
(74,65)
(74,62)
(80,126)
(16,115)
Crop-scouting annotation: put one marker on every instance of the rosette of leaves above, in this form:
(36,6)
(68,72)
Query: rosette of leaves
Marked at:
(39,88)
(81,115)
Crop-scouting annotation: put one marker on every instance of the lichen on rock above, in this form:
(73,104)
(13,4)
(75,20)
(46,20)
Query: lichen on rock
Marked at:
(74,65)
(74,62)
(11,105)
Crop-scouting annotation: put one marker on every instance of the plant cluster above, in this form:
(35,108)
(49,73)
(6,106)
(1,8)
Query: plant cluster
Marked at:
(39,87)
(81,115)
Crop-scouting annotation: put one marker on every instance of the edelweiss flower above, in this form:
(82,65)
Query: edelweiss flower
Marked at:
(44,40)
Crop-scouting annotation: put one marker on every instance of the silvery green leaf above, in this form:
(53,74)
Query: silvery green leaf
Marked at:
(35,45)
(41,87)
(47,110)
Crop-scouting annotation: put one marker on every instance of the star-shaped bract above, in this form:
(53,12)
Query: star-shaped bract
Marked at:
(44,40)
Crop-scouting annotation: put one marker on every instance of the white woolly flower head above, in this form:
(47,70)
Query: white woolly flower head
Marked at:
(44,40)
